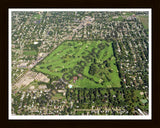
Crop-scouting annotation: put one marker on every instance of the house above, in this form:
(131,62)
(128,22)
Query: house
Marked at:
(75,78)
(22,65)
(80,75)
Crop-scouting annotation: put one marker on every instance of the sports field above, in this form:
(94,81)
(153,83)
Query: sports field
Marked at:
(84,64)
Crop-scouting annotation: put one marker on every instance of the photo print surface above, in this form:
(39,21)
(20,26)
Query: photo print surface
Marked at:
(79,63)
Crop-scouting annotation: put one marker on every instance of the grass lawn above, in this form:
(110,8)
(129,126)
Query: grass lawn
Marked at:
(77,57)
(143,101)
(37,16)
(58,96)
(30,53)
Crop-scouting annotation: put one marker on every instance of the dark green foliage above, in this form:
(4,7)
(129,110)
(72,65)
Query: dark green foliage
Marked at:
(92,69)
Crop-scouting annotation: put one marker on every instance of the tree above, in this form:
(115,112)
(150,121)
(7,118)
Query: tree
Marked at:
(92,69)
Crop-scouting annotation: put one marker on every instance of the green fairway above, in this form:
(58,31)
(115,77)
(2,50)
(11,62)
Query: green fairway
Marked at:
(84,64)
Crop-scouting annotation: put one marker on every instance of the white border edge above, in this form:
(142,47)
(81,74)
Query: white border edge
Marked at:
(9,70)
(148,117)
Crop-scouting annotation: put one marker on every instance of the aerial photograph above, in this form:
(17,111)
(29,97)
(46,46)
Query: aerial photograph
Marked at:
(79,63)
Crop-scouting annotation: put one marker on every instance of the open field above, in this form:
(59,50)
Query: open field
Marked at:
(144,20)
(87,64)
